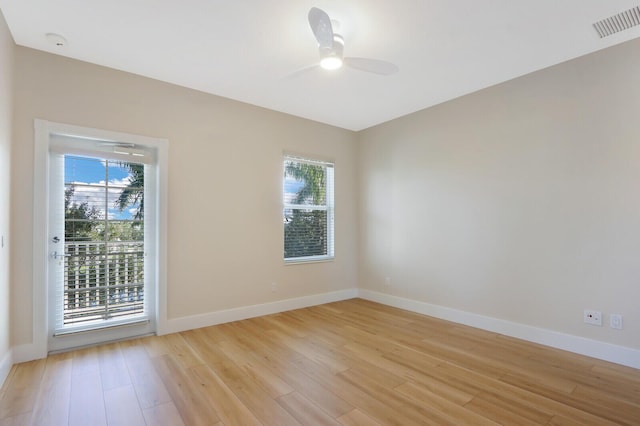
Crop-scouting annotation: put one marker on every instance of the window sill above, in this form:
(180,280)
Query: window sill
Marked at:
(309,259)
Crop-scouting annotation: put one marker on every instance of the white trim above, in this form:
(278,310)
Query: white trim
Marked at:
(236,314)
(27,352)
(43,130)
(568,342)
(99,325)
(309,159)
(5,366)
(162,231)
(308,259)
(40,306)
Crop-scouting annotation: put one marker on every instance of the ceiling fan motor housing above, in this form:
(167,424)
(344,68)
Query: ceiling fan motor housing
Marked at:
(333,54)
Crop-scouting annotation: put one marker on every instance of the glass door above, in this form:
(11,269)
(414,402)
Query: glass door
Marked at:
(99,263)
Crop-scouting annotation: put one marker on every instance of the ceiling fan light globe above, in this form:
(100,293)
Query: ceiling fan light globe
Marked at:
(331,63)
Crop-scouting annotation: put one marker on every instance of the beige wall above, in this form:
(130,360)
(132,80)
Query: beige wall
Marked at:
(6,89)
(520,202)
(225,183)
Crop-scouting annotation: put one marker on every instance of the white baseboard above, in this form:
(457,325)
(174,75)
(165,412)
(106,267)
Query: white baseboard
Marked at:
(219,317)
(580,345)
(5,366)
(28,352)
(593,348)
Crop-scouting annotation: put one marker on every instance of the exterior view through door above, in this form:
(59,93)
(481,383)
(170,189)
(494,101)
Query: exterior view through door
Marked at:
(100,274)
(103,240)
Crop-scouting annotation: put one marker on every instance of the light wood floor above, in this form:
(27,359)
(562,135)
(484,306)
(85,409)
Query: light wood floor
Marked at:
(349,363)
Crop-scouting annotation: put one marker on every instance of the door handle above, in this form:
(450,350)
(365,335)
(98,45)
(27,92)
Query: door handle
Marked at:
(57,255)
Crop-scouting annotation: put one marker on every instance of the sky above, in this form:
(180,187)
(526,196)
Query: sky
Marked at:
(291,187)
(88,175)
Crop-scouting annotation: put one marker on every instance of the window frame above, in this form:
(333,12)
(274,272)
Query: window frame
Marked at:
(329,207)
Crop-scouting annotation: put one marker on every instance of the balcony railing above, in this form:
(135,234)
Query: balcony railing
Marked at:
(102,280)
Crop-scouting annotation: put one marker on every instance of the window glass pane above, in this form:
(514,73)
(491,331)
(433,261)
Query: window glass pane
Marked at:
(305,183)
(305,233)
(104,240)
(125,230)
(126,193)
(83,169)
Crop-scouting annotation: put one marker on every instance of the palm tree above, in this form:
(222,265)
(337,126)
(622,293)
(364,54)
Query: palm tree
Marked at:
(133,193)
(314,178)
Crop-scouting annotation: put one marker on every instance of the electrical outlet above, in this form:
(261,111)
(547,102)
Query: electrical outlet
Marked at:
(274,287)
(593,317)
(615,321)
(387,281)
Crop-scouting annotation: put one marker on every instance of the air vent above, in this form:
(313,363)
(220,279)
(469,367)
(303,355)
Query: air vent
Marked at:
(616,23)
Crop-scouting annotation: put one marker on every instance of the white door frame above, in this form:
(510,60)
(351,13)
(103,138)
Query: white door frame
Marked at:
(43,131)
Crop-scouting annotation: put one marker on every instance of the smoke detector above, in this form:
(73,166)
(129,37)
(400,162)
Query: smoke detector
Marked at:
(56,39)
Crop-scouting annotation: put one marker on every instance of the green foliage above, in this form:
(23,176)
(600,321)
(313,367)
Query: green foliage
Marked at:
(80,219)
(305,234)
(314,177)
(305,231)
(117,231)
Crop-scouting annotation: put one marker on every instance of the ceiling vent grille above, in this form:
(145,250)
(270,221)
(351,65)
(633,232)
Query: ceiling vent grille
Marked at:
(616,23)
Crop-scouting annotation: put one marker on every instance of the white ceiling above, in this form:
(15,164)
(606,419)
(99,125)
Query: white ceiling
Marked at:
(246,49)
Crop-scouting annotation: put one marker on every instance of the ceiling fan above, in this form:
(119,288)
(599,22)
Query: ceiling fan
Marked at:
(331,48)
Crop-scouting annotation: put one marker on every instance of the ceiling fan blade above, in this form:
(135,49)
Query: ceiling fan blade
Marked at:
(374,66)
(301,72)
(321,26)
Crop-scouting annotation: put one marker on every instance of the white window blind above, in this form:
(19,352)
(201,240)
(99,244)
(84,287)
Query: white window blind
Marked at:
(101,247)
(308,213)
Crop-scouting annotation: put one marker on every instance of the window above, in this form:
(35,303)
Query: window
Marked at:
(308,210)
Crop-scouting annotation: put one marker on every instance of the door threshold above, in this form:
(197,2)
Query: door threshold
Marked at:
(93,345)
